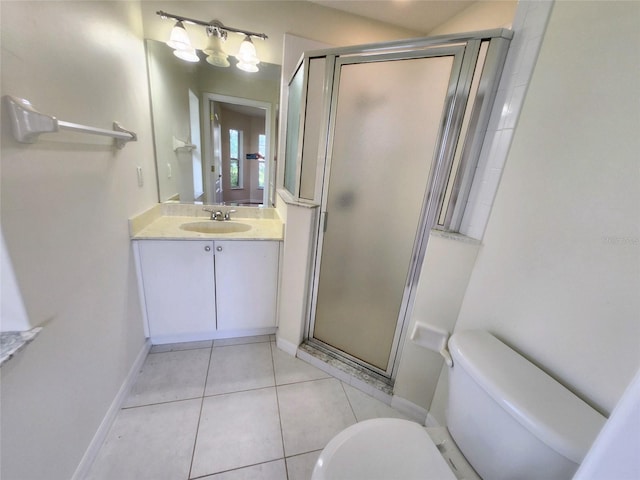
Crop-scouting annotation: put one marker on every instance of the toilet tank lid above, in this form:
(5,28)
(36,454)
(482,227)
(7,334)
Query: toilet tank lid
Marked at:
(543,406)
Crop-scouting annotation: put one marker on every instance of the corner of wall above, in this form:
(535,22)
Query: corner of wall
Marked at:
(438,407)
(297,255)
(101,434)
(445,274)
(529,26)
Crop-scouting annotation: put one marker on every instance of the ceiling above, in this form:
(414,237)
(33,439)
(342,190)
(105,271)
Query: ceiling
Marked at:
(420,15)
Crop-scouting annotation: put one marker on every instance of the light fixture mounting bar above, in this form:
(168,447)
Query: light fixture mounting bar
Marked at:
(212,23)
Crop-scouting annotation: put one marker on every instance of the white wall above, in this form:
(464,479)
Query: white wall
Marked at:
(529,26)
(13,316)
(262,86)
(559,273)
(614,454)
(65,204)
(170,80)
(447,266)
(295,264)
(480,16)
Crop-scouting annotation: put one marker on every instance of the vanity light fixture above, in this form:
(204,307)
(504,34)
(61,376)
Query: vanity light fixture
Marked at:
(217,32)
(247,58)
(216,56)
(179,41)
(189,55)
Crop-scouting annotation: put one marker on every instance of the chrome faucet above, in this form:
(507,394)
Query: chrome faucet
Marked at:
(215,214)
(218,215)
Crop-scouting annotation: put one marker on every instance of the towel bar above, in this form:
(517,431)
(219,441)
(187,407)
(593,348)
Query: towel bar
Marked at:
(27,124)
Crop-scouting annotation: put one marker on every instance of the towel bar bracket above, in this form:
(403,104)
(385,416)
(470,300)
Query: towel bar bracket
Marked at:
(27,124)
(121,142)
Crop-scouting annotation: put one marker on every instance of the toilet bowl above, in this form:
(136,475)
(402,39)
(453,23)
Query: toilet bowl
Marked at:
(390,448)
(506,419)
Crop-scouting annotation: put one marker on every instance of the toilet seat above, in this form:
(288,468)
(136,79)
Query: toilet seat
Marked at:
(382,448)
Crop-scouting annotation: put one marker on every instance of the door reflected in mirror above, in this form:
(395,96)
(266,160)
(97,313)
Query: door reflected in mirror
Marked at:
(214,129)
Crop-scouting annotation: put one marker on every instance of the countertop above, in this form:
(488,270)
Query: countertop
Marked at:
(13,342)
(163,223)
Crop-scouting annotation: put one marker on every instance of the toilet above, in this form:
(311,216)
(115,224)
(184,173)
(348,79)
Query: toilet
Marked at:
(506,419)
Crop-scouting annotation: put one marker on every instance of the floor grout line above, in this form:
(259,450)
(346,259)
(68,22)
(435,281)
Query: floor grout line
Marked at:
(235,469)
(178,350)
(284,452)
(160,403)
(204,389)
(349,402)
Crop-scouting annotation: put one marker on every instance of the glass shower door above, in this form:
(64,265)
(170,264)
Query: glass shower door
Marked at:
(386,119)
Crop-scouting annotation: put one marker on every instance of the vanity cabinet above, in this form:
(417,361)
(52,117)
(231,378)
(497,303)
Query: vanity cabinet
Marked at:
(179,289)
(203,289)
(246,284)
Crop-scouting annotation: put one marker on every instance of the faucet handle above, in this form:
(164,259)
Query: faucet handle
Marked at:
(216,214)
(227,215)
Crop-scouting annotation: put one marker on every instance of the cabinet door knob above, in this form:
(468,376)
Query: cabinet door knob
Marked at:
(207,248)
(218,249)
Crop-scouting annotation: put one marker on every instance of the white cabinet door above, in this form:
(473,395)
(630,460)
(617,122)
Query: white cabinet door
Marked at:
(246,284)
(178,282)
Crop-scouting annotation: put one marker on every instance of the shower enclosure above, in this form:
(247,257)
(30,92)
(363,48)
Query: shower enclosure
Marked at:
(385,138)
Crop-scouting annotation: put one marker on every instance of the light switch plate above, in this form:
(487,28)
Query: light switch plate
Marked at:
(140,178)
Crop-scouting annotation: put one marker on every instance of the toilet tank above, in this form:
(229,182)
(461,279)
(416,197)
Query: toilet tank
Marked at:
(509,418)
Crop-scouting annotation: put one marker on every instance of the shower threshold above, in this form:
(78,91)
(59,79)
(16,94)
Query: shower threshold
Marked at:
(349,372)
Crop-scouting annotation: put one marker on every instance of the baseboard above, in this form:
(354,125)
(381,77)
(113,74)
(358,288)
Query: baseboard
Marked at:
(410,409)
(212,335)
(286,346)
(253,332)
(431,421)
(98,439)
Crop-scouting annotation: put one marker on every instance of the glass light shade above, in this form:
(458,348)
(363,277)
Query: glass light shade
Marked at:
(247,67)
(179,39)
(215,54)
(247,58)
(188,55)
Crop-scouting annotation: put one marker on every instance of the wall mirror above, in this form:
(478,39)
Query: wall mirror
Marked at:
(214,129)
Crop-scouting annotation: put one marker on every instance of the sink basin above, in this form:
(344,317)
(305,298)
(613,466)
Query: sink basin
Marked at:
(214,226)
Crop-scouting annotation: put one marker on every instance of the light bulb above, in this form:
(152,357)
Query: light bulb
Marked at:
(215,54)
(247,67)
(247,58)
(188,55)
(179,39)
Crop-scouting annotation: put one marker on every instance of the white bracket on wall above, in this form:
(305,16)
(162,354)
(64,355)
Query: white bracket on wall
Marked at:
(177,143)
(432,338)
(27,124)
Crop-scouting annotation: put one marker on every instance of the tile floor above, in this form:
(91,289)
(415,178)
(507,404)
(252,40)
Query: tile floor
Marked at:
(226,410)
